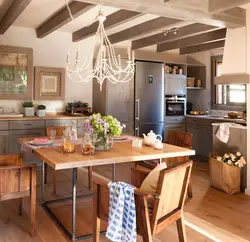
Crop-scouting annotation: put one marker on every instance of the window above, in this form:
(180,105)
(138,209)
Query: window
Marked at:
(226,96)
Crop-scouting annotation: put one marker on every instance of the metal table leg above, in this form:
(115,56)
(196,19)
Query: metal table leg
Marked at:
(113,172)
(71,234)
(74,204)
(42,180)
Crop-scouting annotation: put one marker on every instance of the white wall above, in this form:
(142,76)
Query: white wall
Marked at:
(50,51)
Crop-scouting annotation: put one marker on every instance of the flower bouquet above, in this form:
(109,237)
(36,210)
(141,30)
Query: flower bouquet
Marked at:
(102,129)
(225,172)
(233,159)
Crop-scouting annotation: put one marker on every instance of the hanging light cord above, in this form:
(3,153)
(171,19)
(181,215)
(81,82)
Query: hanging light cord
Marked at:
(69,10)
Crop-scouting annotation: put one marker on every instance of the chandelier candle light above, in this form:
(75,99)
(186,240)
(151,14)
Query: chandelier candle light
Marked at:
(106,65)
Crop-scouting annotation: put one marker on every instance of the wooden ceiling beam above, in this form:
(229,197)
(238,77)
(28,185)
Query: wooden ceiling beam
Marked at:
(114,19)
(216,35)
(13,12)
(202,47)
(143,28)
(185,31)
(180,11)
(216,6)
(62,17)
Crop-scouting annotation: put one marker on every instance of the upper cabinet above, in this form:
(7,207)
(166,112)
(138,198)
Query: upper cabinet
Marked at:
(16,73)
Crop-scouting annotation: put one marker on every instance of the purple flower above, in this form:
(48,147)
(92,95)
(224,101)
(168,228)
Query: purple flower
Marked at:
(106,125)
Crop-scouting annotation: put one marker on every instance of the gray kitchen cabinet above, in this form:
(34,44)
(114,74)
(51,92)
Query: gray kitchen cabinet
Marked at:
(4,142)
(196,143)
(80,122)
(27,124)
(14,146)
(60,122)
(4,125)
(176,123)
(207,144)
(80,131)
(201,128)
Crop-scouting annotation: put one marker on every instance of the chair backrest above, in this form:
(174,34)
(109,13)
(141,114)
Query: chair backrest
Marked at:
(16,179)
(11,160)
(172,187)
(59,130)
(180,139)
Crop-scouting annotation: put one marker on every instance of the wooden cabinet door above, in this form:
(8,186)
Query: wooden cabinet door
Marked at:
(14,146)
(196,131)
(4,138)
(207,141)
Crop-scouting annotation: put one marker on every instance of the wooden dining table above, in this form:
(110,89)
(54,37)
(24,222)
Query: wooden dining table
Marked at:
(121,152)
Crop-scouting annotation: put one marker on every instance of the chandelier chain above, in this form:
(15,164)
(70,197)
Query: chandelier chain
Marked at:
(69,10)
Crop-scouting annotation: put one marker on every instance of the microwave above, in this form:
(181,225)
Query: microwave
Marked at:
(175,105)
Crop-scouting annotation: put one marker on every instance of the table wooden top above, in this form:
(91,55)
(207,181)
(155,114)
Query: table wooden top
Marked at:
(121,152)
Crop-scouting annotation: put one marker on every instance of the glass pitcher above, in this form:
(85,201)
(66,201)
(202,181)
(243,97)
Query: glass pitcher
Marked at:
(87,147)
(68,143)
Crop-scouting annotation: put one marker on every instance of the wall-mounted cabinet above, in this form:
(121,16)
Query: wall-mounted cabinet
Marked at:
(16,73)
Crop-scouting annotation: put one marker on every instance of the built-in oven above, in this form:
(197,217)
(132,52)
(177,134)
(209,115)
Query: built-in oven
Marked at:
(175,105)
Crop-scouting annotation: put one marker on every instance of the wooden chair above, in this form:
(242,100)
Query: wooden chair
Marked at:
(177,138)
(17,181)
(168,202)
(59,133)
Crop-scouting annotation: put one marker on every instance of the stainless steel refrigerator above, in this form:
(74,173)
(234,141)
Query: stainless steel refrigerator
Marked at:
(116,100)
(149,97)
(139,103)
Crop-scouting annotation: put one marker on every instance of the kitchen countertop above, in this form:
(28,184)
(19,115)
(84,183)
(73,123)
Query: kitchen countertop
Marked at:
(234,126)
(214,117)
(48,117)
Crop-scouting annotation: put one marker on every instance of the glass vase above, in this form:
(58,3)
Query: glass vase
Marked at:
(103,142)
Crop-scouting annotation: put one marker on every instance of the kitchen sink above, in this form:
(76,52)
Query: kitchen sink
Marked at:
(11,115)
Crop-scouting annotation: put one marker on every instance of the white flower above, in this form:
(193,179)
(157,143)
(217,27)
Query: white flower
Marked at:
(219,158)
(231,154)
(242,160)
(233,157)
(226,156)
(238,154)
(229,162)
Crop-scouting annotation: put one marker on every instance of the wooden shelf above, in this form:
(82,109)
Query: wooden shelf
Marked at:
(195,88)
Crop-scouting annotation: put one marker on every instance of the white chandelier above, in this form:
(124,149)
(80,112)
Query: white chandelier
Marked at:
(106,65)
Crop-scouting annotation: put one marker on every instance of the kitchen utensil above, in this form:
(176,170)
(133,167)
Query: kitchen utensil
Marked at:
(151,138)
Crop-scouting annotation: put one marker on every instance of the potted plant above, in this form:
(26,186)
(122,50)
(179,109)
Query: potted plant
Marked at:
(41,110)
(28,108)
(103,129)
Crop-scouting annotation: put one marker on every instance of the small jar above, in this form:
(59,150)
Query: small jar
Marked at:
(68,143)
(87,147)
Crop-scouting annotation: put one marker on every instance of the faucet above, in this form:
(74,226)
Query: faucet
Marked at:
(1,110)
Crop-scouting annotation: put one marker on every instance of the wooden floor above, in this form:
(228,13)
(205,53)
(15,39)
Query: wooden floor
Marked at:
(210,216)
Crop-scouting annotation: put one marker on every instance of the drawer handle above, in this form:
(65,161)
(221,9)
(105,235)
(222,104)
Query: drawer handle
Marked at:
(27,124)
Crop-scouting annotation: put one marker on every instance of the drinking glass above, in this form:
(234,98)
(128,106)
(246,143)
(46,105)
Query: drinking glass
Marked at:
(52,134)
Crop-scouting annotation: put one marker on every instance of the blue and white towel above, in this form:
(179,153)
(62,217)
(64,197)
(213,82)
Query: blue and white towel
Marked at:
(122,214)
